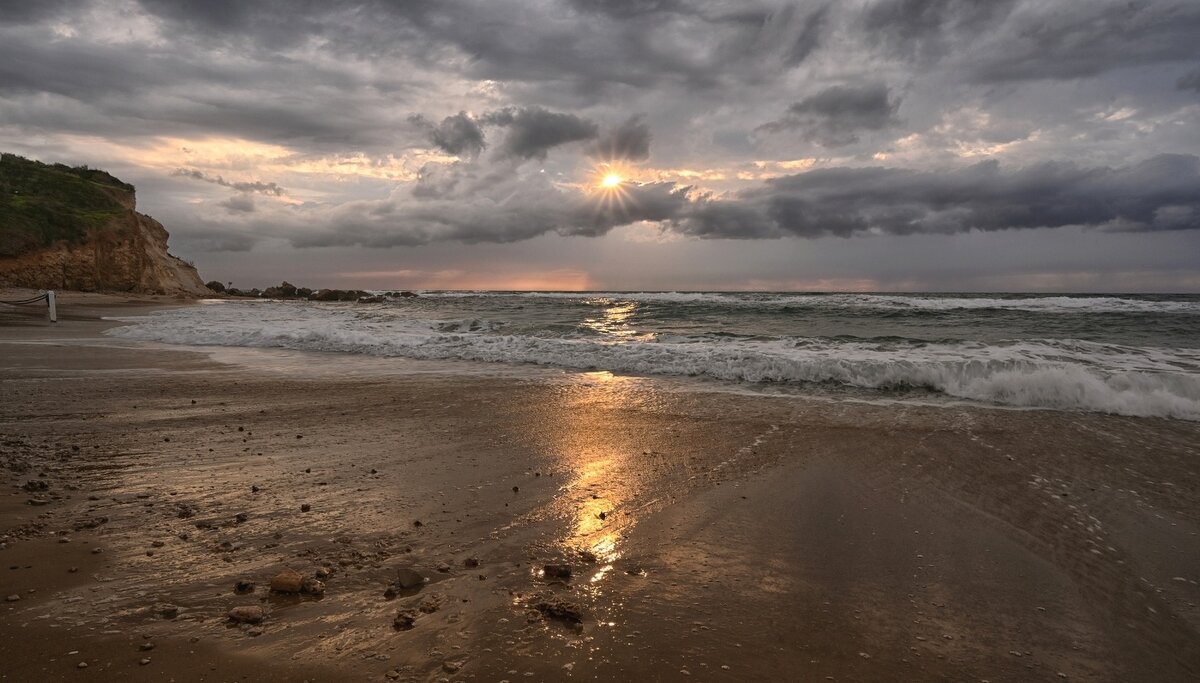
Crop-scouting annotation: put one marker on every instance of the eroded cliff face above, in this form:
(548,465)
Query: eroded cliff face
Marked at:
(127,254)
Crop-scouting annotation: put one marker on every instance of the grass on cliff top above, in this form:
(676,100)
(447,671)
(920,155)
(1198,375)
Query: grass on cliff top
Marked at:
(41,204)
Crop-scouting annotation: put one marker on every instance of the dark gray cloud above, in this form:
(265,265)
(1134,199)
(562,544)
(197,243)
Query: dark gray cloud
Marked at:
(241,186)
(459,134)
(533,131)
(23,11)
(835,117)
(928,29)
(1189,81)
(1053,41)
(629,141)
(242,203)
(1162,193)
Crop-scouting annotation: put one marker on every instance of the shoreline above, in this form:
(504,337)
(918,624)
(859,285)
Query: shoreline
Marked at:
(778,538)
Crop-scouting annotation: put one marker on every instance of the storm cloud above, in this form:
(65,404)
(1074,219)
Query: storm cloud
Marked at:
(401,124)
(837,115)
(533,131)
(1162,193)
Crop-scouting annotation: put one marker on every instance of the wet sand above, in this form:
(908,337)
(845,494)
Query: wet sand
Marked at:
(710,536)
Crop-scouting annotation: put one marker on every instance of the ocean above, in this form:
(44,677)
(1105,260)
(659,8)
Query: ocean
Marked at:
(1136,355)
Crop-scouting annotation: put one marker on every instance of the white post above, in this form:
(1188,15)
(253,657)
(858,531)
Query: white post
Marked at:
(50,303)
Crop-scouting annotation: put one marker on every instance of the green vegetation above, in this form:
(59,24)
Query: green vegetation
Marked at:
(41,204)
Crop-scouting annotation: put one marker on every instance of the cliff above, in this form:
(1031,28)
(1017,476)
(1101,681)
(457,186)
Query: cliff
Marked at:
(77,228)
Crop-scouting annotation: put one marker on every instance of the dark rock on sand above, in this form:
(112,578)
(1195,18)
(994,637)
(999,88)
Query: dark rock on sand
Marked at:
(247,614)
(404,620)
(243,587)
(471,562)
(287,581)
(557,571)
(408,578)
(554,608)
(35,485)
(305,507)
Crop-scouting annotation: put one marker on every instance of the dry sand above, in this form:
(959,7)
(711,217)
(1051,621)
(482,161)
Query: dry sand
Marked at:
(710,536)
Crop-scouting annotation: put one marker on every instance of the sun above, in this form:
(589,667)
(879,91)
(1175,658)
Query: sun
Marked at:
(611,180)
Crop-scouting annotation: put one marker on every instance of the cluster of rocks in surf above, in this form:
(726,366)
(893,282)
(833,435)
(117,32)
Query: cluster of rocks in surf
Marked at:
(288,291)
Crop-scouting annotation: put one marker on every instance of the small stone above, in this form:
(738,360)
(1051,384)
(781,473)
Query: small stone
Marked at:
(312,587)
(144,661)
(13,598)
(305,507)
(451,667)
(443,567)
(471,562)
(241,517)
(247,614)
(81,665)
(516,489)
(557,571)
(167,611)
(404,620)
(323,573)
(96,551)
(287,581)
(407,578)
(72,570)
(253,489)
(157,544)
(146,647)
(243,587)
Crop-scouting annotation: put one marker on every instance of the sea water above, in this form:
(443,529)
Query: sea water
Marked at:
(1125,354)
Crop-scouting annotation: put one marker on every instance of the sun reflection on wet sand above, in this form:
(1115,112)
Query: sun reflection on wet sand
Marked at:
(594,501)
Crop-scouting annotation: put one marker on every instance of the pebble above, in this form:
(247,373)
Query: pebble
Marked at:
(144,661)
(305,507)
(81,665)
(13,598)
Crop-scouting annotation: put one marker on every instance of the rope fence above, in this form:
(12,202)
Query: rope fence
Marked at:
(47,296)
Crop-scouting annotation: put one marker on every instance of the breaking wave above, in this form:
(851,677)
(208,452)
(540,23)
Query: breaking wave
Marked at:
(1057,374)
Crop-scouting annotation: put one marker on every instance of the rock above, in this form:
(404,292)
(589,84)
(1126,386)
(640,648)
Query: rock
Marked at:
(13,598)
(554,608)
(407,578)
(389,593)
(451,667)
(35,485)
(241,517)
(404,620)
(407,295)
(216,286)
(313,587)
(157,544)
(167,611)
(430,605)
(323,573)
(471,562)
(557,571)
(81,665)
(146,647)
(443,567)
(243,587)
(373,299)
(287,581)
(144,661)
(305,507)
(247,614)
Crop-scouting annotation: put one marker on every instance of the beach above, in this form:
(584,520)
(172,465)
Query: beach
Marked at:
(709,533)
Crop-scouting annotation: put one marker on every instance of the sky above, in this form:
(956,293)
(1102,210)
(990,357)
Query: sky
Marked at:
(887,145)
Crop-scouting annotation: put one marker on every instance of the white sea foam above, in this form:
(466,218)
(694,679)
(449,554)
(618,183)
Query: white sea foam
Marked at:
(1035,373)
